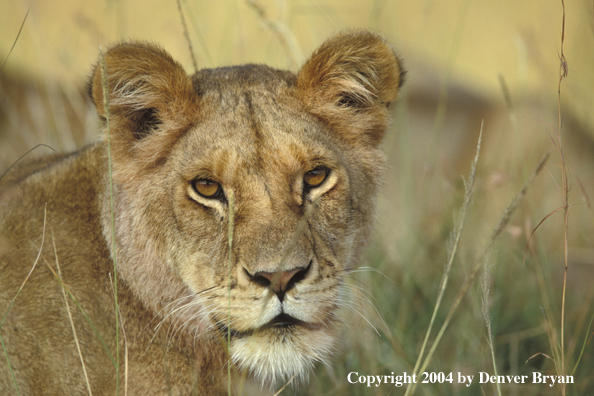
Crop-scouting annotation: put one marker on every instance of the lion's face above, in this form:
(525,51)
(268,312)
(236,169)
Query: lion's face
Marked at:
(300,213)
(256,188)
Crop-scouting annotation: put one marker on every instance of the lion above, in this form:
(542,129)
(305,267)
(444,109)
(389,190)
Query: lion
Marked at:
(224,210)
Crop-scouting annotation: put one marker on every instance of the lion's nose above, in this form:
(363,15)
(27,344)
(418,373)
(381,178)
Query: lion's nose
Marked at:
(280,282)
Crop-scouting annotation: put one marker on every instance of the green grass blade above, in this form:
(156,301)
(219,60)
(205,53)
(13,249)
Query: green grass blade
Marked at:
(583,346)
(105,89)
(9,365)
(231,200)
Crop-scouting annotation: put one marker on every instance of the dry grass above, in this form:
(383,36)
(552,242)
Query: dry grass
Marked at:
(532,311)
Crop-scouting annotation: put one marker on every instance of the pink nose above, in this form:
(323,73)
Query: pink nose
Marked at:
(279,282)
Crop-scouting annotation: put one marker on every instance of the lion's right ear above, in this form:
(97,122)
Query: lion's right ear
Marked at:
(150,97)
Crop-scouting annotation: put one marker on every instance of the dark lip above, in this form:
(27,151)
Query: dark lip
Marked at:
(282,321)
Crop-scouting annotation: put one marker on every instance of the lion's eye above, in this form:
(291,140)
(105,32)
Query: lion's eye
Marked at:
(208,188)
(315,177)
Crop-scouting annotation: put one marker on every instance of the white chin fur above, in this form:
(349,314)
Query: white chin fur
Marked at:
(279,355)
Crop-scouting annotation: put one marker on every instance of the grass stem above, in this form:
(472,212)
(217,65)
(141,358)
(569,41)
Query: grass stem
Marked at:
(105,89)
(231,228)
(456,236)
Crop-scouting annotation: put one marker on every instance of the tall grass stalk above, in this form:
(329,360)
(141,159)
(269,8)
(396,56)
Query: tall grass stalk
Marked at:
(9,365)
(283,33)
(199,34)
(15,297)
(503,221)
(453,249)
(230,230)
(125,343)
(23,156)
(285,385)
(105,88)
(14,42)
(82,360)
(187,36)
(82,311)
(586,341)
(562,74)
(486,288)
(557,341)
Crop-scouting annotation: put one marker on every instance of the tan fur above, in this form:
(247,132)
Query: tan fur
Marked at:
(254,130)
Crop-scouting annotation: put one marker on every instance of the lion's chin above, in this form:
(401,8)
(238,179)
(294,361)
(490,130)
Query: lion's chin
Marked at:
(282,353)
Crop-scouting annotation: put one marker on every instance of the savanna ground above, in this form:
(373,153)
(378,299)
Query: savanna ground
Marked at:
(488,292)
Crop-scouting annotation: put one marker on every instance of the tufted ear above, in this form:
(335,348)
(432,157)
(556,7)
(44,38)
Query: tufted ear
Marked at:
(349,81)
(151,101)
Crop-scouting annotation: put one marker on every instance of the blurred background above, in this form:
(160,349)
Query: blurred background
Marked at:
(470,63)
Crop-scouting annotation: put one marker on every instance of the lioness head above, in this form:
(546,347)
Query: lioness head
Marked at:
(244,195)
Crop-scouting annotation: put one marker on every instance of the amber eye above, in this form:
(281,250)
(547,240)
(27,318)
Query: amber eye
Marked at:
(208,188)
(315,177)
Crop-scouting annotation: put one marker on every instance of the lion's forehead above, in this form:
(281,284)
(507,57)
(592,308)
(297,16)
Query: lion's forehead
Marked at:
(251,130)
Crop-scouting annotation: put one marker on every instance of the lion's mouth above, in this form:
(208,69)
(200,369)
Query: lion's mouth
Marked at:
(285,321)
(280,322)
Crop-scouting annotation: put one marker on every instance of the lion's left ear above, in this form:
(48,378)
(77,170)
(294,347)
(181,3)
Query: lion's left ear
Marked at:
(349,81)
